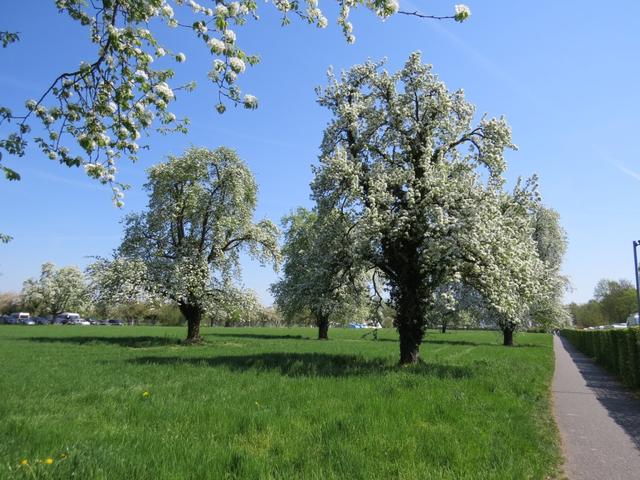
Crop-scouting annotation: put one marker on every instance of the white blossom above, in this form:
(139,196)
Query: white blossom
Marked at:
(164,90)
(167,11)
(221,10)
(217,46)
(250,102)
(236,64)
(229,36)
(234,8)
(141,75)
(462,12)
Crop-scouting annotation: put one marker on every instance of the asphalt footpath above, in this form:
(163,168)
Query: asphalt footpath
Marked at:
(598,419)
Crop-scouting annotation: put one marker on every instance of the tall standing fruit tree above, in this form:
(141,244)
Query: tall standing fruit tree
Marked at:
(199,218)
(425,189)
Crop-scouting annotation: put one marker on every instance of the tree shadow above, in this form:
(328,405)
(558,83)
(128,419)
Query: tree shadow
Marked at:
(131,342)
(436,341)
(621,403)
(310,365)
(257,336)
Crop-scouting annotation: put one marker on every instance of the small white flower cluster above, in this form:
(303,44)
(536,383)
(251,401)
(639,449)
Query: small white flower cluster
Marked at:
(250,102)
(462,12)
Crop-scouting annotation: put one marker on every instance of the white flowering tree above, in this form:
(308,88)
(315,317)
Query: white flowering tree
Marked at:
(57,290)
(96,113)
(548,309)
(318,270)
(121,285)
(425,189)
(199,218)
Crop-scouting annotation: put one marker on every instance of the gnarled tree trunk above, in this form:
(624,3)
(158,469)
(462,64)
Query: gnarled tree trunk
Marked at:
(323,327)
(193,314)
(507,333)
(410,321)
(444,327)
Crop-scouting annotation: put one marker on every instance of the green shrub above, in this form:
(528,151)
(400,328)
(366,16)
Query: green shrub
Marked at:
(616,350)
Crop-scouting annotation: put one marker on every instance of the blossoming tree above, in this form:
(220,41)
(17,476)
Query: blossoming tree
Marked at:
(318,271)
(548,310)
(199,219)
(95,114)
(121,285)
(425,189)
(57,290)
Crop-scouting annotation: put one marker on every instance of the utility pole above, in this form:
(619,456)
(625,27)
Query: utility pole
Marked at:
(635,264)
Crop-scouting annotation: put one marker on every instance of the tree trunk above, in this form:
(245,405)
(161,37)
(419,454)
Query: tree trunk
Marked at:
(410,340)
(193,314)
(323,327)
(410,321)
(508,336)
(444,327)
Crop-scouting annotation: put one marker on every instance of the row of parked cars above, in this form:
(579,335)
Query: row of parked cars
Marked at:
(66,318)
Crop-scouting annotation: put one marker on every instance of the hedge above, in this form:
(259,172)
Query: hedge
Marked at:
(616,350)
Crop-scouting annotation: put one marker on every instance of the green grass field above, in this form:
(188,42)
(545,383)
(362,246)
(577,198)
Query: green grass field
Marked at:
(272,403)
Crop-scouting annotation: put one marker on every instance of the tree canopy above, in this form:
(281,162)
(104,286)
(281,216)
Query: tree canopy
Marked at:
(198,220)
(318,271)
(57,290)
(425,188)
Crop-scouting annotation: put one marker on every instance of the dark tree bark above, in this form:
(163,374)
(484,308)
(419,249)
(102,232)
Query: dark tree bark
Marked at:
(444,327)
(410,321)
(323,327)
(193,314)
(410,340)
(507,333)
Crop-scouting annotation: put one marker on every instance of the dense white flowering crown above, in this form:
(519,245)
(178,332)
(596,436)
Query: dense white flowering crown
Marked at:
(425,188)
(199,219)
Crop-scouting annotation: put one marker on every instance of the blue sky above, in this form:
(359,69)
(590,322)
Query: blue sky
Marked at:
(565,75)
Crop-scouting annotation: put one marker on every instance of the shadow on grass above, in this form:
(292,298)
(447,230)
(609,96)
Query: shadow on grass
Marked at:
(311,365)
(436,341)
(131,342)
(257,336)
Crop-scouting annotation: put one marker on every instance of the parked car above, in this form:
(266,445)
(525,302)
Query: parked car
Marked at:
(41,321)
(633,320)
(67,318)
(28,321)
(19,317)
(116,323)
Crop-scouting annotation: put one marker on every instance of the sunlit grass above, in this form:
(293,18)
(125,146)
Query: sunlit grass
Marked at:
(132,403)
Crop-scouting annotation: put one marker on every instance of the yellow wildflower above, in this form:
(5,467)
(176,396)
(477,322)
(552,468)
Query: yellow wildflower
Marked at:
(48,461)
(145,394)
(24,461)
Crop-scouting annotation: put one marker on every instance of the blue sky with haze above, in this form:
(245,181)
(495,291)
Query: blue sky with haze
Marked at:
(565,75)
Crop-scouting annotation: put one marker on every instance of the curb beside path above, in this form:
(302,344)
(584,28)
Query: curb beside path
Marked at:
(598,419)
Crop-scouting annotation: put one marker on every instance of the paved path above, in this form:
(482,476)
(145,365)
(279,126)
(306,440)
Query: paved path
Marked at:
(598,419)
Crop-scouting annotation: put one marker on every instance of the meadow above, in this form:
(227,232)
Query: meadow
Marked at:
(272,403)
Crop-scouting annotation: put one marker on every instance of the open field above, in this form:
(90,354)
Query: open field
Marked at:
(272,403)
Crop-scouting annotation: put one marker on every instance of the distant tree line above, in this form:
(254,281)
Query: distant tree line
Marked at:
(613,301)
